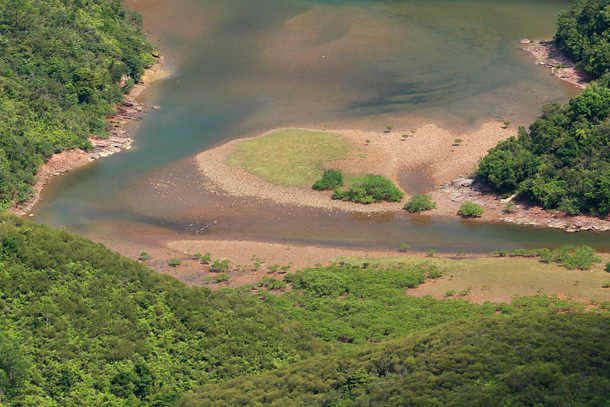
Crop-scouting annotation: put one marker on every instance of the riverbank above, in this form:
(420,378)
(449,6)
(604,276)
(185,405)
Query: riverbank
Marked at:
(127,112)
(429,149)
(551,57)
(386,153)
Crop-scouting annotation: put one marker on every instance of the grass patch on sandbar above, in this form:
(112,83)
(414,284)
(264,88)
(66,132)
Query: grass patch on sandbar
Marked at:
(292,157)
(506,277)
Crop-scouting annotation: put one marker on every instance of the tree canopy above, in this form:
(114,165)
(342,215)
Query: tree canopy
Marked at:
(63,66)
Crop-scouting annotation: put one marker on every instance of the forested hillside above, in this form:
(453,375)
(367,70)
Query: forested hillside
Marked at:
(529,360)
(584,35)
(81,325)
(563,161)
(61,68)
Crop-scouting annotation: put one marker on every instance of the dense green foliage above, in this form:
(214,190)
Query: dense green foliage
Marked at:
(470,210)
(570,256)
(355,305)
(330,179)
(61,65)
(529,360)
(368,189)
(584,35)
(564,161)
(81,325)
(420,203)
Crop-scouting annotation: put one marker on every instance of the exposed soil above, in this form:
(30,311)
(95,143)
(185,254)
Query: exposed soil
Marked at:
(387,154)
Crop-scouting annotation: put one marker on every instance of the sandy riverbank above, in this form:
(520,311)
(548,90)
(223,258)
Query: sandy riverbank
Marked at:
(388,153)
(118,140)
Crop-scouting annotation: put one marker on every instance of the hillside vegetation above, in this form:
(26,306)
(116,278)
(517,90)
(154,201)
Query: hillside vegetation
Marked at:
(529,360)
(351,304)
(81,325)
(63,65)
(563,161)
(584,35)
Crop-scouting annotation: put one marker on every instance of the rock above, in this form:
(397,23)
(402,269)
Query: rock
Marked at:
(156,107)
(525,41)
(127,103)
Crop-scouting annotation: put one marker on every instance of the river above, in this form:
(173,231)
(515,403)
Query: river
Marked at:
(239,68)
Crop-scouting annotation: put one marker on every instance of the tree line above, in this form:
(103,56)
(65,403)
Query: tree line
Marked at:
(64,64)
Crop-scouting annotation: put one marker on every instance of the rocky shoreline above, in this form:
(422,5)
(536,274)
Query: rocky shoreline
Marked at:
(465,189)
(551,57)
(128,111)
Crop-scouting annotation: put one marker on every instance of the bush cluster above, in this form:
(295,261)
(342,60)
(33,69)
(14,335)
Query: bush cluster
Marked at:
(331,179)
(420,203)
(470,210)
(371,188)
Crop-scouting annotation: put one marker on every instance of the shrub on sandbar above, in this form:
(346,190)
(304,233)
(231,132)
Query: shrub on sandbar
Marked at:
(371,188)
(420,203)
(330,179)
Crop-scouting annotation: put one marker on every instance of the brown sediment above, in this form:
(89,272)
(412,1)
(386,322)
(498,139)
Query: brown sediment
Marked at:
(247,253)
(549,56)
(434,149)
(127,112)
(386,154)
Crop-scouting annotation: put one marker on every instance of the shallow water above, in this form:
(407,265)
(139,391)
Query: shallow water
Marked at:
(241,67)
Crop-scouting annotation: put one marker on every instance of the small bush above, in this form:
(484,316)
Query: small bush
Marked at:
(607,268)
(206,258)
(330,179)
(465,292)
(404,248)
(470,210)
(606,284)
(431,253)
(500,253)
(175,262)
(221,277)
(144,256)
(196,256)
(509,208)
(420,203)
(450,293)
(220,265)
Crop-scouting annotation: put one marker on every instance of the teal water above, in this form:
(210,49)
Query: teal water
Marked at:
(242,67)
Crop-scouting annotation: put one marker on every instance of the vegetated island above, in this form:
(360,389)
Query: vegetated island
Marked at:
(286,162)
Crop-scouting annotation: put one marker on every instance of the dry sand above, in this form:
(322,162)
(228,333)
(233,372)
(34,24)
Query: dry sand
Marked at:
(430,147)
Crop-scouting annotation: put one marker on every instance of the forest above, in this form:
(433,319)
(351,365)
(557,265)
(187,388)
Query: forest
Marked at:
(81,325)
(63,67)
(563,161)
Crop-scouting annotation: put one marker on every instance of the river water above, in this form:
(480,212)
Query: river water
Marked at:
(239,68)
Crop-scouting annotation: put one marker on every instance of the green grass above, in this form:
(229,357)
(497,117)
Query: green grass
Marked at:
(502,278)
(291,157)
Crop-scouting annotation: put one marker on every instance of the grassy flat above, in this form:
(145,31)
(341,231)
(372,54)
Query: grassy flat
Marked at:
(291,157)
(499,279)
